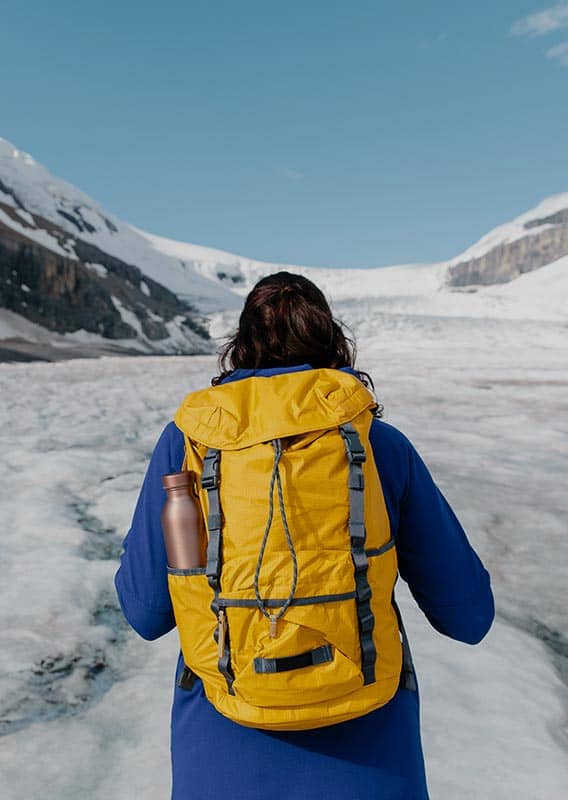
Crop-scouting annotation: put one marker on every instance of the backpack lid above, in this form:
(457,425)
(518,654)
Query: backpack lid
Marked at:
(242,413)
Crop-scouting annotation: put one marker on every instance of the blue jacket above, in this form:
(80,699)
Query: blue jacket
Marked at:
(378,755)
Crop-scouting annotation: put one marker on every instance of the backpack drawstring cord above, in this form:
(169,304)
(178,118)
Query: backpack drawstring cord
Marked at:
(275,477)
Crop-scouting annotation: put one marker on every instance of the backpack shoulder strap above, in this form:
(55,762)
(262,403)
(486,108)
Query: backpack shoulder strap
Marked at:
(356,456)
(210,482)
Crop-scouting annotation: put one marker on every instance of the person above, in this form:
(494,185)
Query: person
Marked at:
(286,324)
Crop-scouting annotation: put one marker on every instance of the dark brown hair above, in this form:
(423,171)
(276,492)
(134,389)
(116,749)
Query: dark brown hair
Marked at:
(287,321)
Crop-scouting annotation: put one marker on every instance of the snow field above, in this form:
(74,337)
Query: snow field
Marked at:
(86,702)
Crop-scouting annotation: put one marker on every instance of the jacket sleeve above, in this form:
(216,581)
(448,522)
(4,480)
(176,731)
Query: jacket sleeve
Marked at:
(141,580)
(444,573)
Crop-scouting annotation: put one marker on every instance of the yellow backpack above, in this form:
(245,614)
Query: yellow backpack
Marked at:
(292,623)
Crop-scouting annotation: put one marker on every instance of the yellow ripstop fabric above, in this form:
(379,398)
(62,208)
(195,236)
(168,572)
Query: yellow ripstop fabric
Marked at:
(241,413)
(241,418)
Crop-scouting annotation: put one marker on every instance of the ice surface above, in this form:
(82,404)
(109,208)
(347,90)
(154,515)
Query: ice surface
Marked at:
(84,702)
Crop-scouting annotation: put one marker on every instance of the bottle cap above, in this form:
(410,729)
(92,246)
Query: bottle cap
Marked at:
(177,480)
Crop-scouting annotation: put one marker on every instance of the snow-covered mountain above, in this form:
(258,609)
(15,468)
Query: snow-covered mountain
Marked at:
(469,285)
(75,279)
(531,241)
(431,289)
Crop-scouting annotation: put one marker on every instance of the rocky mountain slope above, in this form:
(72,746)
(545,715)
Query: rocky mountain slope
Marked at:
(88,278)
(89,290)
(529,242)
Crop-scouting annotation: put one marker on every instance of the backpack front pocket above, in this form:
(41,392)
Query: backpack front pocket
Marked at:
(301,664)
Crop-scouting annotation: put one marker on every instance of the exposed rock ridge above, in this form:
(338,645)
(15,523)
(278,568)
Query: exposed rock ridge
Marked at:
(511,259)
(96,292)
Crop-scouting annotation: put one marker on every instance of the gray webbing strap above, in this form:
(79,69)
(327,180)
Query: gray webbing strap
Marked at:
(210,482)
(407,675)
(356,455)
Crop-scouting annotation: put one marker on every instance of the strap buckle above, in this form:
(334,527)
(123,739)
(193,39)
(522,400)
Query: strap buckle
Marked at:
(357,456)
(209,481)
(353,445)
(210,474)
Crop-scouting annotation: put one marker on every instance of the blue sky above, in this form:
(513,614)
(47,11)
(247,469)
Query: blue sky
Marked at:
(306,132)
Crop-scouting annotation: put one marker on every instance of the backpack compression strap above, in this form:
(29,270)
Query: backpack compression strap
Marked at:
(210,482)
(356,455)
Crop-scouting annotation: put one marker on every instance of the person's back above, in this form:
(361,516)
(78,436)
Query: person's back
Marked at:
(286,326)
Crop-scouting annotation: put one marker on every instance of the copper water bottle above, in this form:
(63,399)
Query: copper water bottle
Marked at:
(182,522)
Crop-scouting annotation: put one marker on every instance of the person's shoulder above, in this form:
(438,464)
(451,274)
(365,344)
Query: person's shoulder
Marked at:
(387,435)
(170,445)
(392,452)
(170,434)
